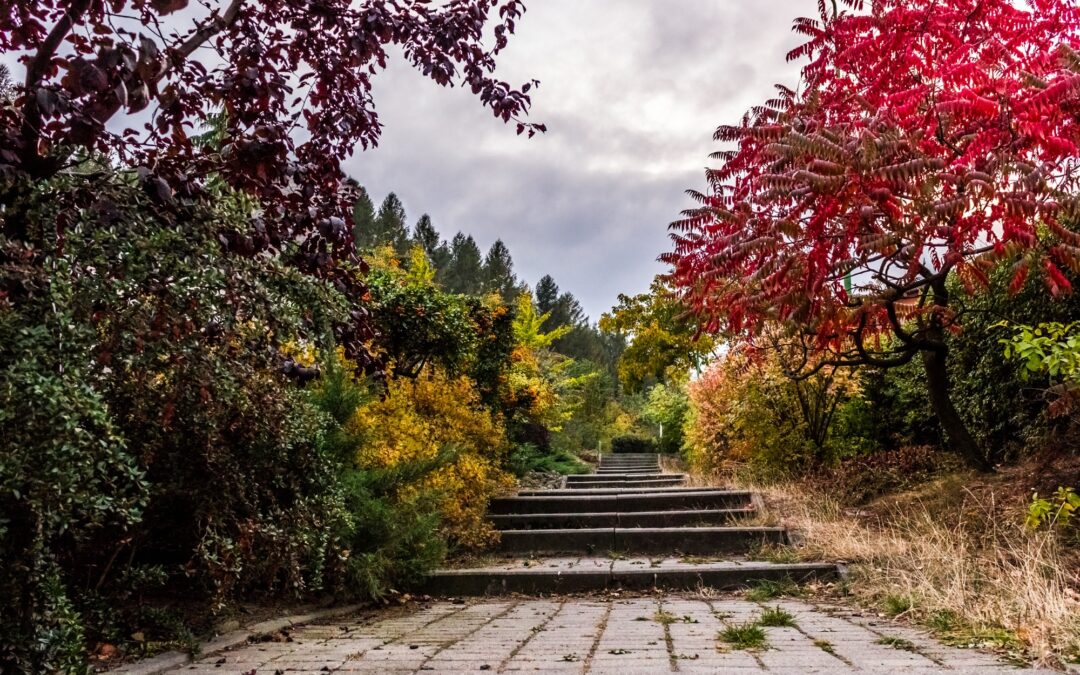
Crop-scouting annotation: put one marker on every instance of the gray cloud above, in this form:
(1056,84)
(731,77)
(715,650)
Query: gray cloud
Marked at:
(631,92)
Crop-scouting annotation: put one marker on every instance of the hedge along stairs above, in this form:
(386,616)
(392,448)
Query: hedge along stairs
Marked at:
(628,525)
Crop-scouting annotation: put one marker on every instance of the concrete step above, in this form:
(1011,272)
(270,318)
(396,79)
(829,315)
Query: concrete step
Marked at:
(552,521)
(617,491)
(616,477)
(644,540)
(622,502)
(602,471)
(626,574)
(628,483)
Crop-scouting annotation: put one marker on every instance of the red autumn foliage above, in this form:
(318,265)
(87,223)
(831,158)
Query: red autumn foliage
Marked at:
(927,138)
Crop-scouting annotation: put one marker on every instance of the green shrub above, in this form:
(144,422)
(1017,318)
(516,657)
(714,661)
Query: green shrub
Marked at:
(147,421)
(527,457)
(1059,510)
(633,444)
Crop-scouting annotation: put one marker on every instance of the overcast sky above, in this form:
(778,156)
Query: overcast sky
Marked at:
(631,91)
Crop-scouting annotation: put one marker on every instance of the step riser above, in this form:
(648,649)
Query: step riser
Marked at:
(611,491)
(463,582)
(636,465)
(600,477)
(617,481)
(552,521)
(688,541)
(624,503)
(605,472)
(625,482)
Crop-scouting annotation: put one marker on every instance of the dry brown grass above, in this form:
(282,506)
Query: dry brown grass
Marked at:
(953,554)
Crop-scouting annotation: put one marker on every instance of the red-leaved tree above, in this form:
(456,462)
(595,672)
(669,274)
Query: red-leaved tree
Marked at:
(292,79)
(927,139)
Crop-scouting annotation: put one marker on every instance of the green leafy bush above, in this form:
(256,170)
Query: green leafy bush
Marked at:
(1058,511)
(149,422)
(525,458)
(633,444)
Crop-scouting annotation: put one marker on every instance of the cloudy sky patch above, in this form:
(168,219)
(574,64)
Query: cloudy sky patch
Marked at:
(631,91)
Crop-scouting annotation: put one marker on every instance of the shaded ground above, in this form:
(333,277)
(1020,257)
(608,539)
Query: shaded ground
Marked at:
(669,633)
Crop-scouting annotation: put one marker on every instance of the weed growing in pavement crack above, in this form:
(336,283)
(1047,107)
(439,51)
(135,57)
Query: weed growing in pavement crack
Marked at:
(896,643)
(776,617)
(768,589)
(825,646)
(744,636)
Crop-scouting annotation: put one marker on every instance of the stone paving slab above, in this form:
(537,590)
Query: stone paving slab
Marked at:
(571,574)
(623,636)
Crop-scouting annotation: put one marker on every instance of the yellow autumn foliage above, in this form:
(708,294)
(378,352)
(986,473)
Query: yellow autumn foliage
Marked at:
(747,410)
(415,421)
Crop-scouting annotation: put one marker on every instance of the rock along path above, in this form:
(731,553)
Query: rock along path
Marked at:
(619,536)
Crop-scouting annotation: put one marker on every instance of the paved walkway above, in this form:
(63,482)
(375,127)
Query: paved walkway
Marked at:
(629,501)
(647,634)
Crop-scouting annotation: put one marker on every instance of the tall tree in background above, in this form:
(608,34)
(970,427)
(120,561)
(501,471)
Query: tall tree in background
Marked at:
(389,228)
(929,140)
(363,219)
(563,308)
(426,236)
(547,293)
(567,312)
(465,269)
(498,272)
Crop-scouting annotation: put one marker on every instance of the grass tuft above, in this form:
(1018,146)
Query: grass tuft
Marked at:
(776,617)
(744,636)
(825,646)
(953,555)
(767,589)
(897,643)
(774,553)
(895,605)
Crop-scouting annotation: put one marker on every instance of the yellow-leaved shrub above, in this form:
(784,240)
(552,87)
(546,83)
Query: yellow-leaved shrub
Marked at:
(419,419)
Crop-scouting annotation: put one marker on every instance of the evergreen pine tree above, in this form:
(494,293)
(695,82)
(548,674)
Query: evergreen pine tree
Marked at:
(566,312)
(390,228)
(498,272)
(425,235)
(363,220)
(465,269)
(547,294)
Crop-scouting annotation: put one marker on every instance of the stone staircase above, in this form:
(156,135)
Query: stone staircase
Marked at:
(586,535)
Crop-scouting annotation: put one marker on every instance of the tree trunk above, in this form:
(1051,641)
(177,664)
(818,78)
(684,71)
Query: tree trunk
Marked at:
(957,435)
